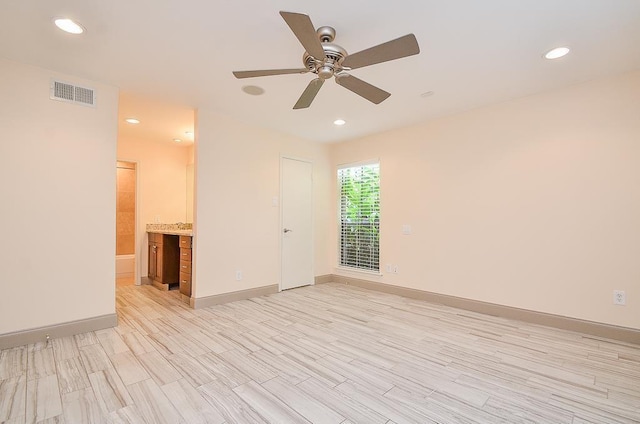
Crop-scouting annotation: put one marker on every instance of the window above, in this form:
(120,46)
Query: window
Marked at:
(360,217)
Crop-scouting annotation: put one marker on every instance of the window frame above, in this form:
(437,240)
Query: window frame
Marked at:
(357,269)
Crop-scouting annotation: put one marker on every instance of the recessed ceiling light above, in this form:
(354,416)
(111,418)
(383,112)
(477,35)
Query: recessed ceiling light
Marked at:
(189,133)
(339,122)
(177,140)
(556,53)
(254,90)
(132,120)
(67,25)
(427,94)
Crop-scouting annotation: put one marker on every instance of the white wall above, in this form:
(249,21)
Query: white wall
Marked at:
(236,226)
(190,184)
(57,190)
(534,203)
(162,186)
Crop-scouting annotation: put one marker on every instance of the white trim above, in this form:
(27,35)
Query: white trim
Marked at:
(64,329)
(625,334)
(218,299)
(194,224)
(359,163)
(340,268)
(280,255)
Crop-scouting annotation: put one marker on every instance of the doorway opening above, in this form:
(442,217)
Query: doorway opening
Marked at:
(158,147)
(125,223)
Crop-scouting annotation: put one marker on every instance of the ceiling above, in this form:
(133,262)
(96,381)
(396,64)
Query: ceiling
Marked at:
(160,121)
(181,54)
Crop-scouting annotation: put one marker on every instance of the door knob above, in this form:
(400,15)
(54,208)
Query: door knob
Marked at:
(286,230)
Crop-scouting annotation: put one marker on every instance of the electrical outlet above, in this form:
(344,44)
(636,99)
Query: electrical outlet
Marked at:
(619,297)
(396,269)
(238,275)
(389,268)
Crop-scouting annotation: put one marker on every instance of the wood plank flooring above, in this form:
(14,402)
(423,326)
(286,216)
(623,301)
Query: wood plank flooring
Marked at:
(321,354)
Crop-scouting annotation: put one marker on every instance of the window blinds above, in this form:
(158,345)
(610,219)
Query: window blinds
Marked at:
(360,217)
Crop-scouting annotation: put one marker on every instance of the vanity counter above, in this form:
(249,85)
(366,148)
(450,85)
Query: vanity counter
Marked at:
(188,233)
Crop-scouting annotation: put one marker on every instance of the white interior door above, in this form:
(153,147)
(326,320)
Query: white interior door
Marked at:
(297,223)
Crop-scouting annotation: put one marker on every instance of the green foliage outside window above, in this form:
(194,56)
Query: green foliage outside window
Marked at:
(360,217)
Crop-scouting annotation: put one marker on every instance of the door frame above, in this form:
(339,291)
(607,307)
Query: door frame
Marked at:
(284,157)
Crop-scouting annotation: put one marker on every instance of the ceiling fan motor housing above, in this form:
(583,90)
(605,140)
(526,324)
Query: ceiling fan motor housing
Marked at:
(331,64)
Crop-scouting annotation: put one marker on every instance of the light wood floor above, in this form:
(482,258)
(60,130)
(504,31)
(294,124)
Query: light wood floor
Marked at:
(322,354)
(124,281)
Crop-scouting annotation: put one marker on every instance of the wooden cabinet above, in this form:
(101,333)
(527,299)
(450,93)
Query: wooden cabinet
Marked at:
(164,260)
(185,265)
(170,262)
(155,257)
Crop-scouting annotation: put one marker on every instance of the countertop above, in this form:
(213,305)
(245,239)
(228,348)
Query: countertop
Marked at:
(173,232)
(179,229)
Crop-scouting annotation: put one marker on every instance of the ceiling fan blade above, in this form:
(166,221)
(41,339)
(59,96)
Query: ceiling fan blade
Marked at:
(309,94)
(305,32)
(361,88)
(269,72)
(391,50)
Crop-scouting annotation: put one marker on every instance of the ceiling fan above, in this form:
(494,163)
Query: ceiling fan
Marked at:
(326,59)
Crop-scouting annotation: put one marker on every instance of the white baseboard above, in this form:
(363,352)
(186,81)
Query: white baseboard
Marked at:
(203,302)
(624,334)
(34,335)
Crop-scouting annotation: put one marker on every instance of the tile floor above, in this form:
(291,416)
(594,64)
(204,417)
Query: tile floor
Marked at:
(322,354)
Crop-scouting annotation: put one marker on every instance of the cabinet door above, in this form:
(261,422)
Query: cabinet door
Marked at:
(185,284)
(153,267)
(159,260)
(185,242)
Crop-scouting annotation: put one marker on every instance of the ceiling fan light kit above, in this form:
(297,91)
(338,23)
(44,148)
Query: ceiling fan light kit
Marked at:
(327,59)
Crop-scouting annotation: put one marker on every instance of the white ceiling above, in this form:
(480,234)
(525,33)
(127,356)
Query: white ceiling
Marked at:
(159,121)
(182,53)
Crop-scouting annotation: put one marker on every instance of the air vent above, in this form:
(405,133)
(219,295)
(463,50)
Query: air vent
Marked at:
(70,93)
